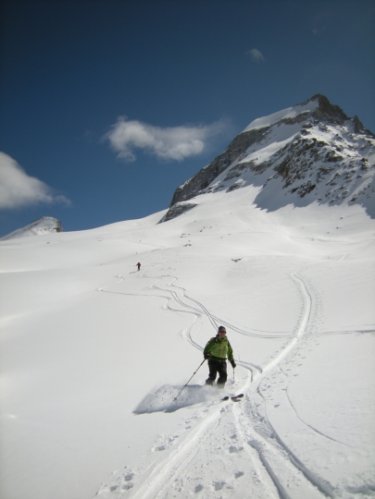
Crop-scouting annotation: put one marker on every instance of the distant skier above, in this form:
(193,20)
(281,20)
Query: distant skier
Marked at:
(217,350)
(139,266)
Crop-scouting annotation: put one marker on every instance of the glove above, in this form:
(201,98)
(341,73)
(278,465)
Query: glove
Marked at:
(233,364)
(206,356)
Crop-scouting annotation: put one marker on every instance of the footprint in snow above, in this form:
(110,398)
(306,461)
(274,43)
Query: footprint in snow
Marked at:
(127,486)
(158,448)
(164,444)
(218,485)
(123,482)
(198,488)
(127,479)
(233,449)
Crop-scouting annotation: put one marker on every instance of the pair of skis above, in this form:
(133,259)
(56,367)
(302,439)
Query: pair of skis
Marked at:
(234,398)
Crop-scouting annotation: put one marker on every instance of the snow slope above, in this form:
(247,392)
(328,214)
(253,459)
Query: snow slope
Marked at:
(94,352)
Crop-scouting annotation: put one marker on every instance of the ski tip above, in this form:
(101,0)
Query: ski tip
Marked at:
(235,398)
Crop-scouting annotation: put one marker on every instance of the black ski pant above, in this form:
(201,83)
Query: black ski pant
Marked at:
(217,367)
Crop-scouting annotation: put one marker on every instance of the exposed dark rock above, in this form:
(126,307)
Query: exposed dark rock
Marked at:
(327,111)
(177,210)
(205,176)
(315,154)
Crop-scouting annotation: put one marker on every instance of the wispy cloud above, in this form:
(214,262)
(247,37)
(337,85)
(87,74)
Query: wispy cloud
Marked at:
(167,143)
(256,55)
(18,189)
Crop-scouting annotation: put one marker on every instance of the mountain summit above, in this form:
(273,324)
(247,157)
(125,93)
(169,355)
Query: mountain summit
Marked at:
(306,153)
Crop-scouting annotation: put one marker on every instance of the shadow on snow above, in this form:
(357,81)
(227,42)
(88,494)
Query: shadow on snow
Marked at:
(170,398)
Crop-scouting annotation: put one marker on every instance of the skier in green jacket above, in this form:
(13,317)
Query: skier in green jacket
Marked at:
(217,350)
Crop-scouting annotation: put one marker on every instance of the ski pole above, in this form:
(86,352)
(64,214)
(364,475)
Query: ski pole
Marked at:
(186,384)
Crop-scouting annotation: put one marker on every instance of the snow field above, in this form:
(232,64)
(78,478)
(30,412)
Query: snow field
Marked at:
(93,354)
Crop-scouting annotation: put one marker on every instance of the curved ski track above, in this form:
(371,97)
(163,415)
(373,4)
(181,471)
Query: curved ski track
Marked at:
(233,450)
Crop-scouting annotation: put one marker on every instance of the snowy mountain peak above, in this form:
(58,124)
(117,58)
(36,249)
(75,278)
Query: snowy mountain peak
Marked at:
(317,107)
(309,152)
(41,227)
(290,113)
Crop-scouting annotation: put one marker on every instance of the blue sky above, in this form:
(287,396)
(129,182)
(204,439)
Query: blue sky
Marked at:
(106,106)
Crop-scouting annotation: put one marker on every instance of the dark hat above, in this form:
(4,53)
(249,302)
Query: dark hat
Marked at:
(222,329)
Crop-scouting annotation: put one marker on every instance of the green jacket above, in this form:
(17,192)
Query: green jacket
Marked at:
(218,348)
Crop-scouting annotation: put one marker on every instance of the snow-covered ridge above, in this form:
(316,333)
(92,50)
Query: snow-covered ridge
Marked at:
(289,113)
(41,227)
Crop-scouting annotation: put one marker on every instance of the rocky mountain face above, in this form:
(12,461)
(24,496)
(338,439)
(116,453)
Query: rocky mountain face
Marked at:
(41,227)
(306,153)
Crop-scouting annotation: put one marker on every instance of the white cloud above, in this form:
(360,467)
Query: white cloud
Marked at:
(256,55)
(18,189)
(169,143)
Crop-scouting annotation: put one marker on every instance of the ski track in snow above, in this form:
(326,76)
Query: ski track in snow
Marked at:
(290,476)
(316,430)
(227,431)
